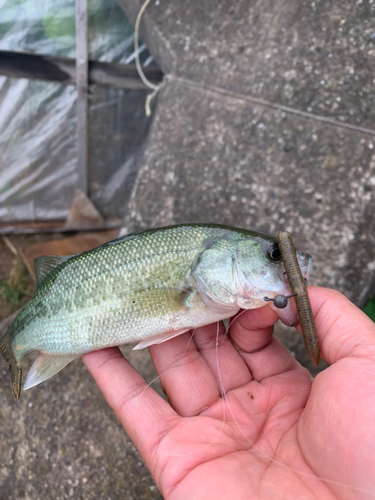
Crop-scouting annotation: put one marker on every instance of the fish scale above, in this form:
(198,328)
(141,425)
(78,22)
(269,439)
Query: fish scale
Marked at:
(145,287)
(90,276)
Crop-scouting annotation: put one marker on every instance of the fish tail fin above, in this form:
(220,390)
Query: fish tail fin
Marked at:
(15,369)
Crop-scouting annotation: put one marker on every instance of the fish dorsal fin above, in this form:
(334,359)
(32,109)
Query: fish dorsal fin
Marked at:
(44,367)
(43,265)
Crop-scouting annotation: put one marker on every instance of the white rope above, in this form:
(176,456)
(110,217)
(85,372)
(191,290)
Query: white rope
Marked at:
(148,84)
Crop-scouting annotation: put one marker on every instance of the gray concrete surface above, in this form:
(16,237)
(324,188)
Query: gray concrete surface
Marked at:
(316,56)
(213,156)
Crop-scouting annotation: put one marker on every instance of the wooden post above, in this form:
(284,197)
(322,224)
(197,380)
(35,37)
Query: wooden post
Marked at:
(82,89)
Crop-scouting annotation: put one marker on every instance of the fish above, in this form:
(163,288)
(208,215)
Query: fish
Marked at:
(146,287)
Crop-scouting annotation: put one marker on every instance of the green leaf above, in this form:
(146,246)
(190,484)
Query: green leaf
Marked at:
(369,308)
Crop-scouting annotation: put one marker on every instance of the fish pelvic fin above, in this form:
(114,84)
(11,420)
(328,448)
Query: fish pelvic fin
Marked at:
(44,367)
(15,369)
(159,338)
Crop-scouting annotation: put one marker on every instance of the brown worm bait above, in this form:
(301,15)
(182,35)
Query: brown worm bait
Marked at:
(298,287)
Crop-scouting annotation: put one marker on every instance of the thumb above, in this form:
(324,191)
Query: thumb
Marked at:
(343,329)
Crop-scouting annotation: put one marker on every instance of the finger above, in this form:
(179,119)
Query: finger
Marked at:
(272,360)
(145,416)
(185,376)
(252,330)
(340,406)
(221,356)
(343,329)
(264,355)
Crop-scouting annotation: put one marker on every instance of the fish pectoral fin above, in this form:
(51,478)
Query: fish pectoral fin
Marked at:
(215,306)
(44,367)
(159,338)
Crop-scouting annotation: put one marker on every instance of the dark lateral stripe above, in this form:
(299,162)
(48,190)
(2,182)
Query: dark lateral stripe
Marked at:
(63,70)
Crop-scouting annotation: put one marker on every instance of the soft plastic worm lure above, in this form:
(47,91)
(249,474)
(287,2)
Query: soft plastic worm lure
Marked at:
(298,287)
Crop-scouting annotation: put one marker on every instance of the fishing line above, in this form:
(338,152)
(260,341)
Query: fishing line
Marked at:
(191,338)
(205,447)
(254,447)
(277,462)
(167,370)
(280,301)
(231,323)
(301,473)
(222,393)
(150,383)
(221,385)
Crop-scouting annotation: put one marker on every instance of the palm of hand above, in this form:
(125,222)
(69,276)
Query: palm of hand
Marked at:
(249,440)
(275,435)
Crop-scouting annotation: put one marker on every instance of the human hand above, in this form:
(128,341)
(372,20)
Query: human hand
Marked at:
(277,434)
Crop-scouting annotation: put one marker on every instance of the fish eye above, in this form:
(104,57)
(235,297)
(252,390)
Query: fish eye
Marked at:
(274,253)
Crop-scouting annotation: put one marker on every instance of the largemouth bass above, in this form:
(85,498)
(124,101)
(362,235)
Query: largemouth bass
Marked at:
(146,287)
